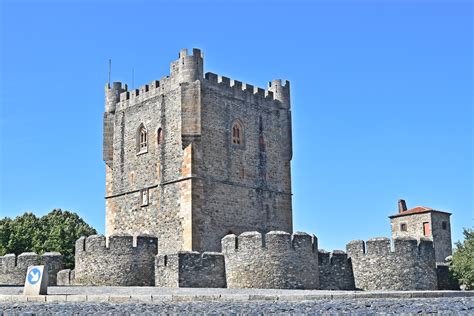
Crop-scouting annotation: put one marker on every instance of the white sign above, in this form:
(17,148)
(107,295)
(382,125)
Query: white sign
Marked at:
(36,281)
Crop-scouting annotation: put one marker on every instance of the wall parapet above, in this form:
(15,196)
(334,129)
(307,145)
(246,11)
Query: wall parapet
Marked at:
(118,260)
(410,266)
(190,269)
(273,260)
(13,268)
(335,271)
(247,91)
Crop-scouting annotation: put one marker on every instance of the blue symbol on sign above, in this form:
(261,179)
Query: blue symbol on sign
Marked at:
(34,276)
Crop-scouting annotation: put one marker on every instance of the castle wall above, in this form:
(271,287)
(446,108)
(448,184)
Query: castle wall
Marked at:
(13,269)
(190,269)
(274,260)
(335,271)
(116,261)
(411,266)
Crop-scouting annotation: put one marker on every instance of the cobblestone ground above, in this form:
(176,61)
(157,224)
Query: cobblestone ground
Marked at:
(333,307)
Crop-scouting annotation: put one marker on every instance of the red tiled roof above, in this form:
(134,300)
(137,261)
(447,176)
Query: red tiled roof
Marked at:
(417,210)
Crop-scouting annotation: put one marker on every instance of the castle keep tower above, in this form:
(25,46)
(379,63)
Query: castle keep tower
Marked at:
(191,158)
(424,222)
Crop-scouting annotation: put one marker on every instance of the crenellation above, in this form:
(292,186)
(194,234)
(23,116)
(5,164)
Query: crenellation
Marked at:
(270,260)
(237,85)
(127,260)
(277,241)
(224,81)
(382,269)
(356,248)
(95,243)
(378,246)
(405,245)
(13,268)
(302,240)
(335,271)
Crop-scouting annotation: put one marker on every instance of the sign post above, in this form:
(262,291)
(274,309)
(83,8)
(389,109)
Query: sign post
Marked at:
(36,282)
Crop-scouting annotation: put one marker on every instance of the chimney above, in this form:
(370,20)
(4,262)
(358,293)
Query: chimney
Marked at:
(402,206)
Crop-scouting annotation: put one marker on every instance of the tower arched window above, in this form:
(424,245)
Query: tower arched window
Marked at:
(237,133)
(159,136)
(142,139)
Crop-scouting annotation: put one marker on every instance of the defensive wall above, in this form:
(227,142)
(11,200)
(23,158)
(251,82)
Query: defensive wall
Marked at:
(117,260)
(410,266)
(13,268)
(190,269)
(273,260)
(335,271)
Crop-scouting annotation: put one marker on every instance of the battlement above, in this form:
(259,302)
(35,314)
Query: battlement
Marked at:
(272,241)
(409,266)
(336,257)
(381,246)
(13,268)
(190,269)
(189,68)
(273,260)
(335,271)
(116,243)
(246,91)
(124,259)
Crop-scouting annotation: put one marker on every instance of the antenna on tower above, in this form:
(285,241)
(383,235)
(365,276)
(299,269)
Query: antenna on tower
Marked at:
(110,69)
(133,79)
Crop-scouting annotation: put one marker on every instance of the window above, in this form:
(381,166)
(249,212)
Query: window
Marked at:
(144,197)
(426,229)
(444,225)
(142,139)
(159,136)
(237,134)
(403,227)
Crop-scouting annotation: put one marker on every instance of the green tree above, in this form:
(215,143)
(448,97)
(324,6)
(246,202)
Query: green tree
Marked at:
(463,260)
(56,231)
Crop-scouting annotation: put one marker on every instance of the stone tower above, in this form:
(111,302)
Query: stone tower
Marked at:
(425,222)
(191,158)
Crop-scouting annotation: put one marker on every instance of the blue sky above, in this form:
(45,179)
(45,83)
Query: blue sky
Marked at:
(381,99)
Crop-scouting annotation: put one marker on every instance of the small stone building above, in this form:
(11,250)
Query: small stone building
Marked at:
(424,222)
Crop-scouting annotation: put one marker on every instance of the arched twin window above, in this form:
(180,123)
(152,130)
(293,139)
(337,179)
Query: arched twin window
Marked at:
(237,133)
(142,139)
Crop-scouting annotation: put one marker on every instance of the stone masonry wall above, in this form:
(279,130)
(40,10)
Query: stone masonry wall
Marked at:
(116,261)
(13,269)
(335,271)
(190,269)
(411,266)
(274,260)
(248,186)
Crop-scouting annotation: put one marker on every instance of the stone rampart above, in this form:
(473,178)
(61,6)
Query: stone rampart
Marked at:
(118,260)
(411,266)
(13,269)
(274,260)
(190,269)
(335,271)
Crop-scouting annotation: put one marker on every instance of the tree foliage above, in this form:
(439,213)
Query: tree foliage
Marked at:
(56,231)
(463,260)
